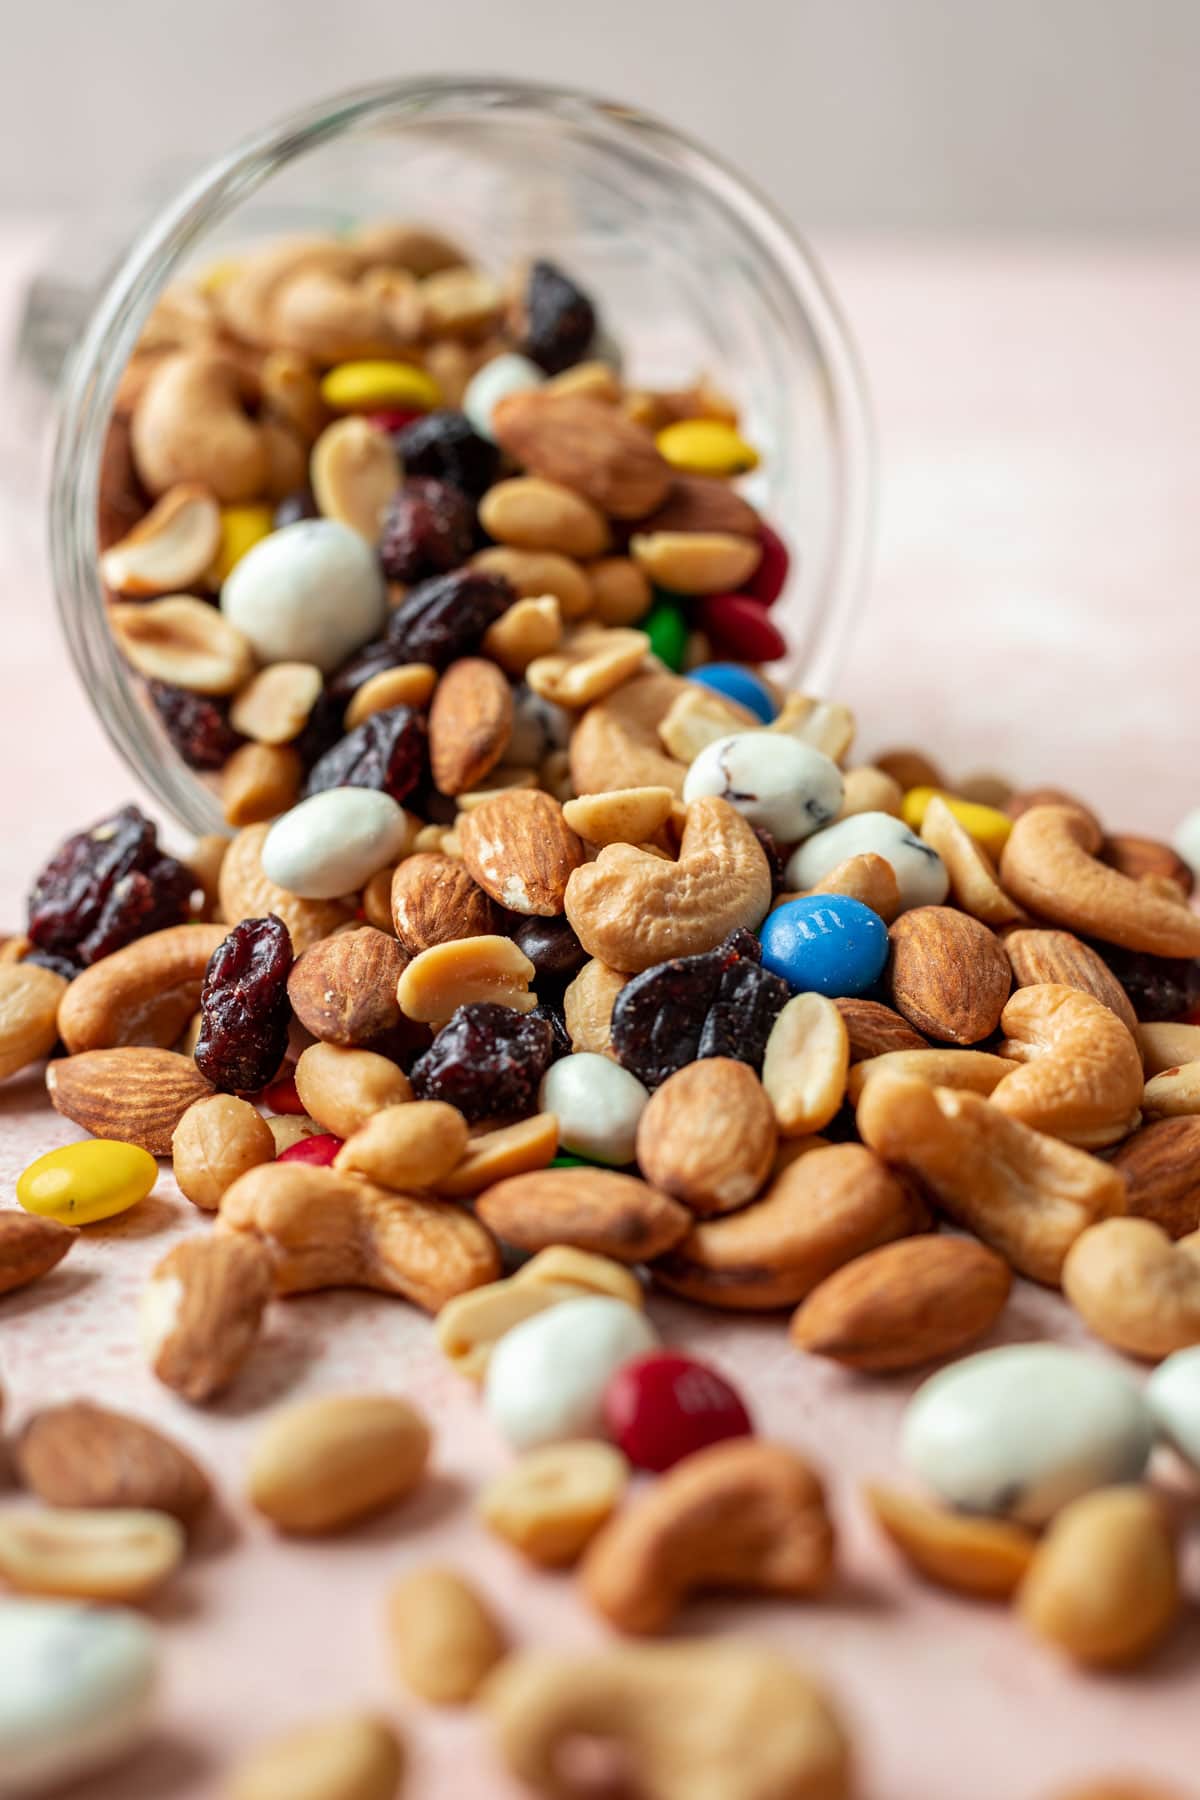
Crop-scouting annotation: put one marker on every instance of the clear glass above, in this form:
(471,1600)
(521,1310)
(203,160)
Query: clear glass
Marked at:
(691,268)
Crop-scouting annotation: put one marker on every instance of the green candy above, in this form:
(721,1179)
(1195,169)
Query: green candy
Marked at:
(668,630)
(565,1161)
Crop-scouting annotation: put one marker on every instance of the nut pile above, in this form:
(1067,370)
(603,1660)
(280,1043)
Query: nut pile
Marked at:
(561,957)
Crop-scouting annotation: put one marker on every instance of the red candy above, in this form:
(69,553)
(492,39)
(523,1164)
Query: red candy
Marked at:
(739,630)
(662,1406)
(397,418)
(318,1151)
(767,582)
(280,1096)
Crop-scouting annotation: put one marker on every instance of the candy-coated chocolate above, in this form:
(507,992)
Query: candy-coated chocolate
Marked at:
(770,578)
(377,383)
(663,1406)
(740,685)
(81,1184)
(241,528)
(825,943)
(319,1150)
(667,626)
(706,447)
(739,628)
(986,824)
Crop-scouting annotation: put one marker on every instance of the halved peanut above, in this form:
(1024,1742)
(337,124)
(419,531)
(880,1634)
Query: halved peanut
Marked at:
(446,976)
(185,642)
(494,1155)
(343,1089)
(259,782)
(1103,1586)
(460,302)
(170,548)
(409,685)
(968,1555)
(825,724)
(274,705)
(805,1066)
(117,1553)
(408,1146)
(553,1501)
(354,473)
(530,628)
(868,789)
(696,562)
(471,1325)
(592,662)
(622,816)
(868,878)
(534,514)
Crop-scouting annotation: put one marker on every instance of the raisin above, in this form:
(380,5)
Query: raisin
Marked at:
(551,946)
(325,723)
(104,887)
(560,320)
(196,724)
(244,1008)
(428,529)
(445,618)
(561,1044)
(746,1004)
(302,504)
(719,1003)
(445,445)
(488,1061)
(1160,988)
(387,751)
(776,860)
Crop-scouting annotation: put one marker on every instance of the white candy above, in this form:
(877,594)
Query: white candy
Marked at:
(546,1377)
(1023,1430)
(597,1104)
(311,592)
(920,872)
(1187,840)
(504,375)
(1173,1395)
(75,1694)
(775,781)
(333,842)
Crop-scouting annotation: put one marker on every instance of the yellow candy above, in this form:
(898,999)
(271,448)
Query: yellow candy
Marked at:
(987,826)
(83,1183)
(241,528)
(379,386)
(706,447)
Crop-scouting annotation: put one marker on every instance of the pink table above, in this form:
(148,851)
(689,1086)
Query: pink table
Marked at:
(1034,611)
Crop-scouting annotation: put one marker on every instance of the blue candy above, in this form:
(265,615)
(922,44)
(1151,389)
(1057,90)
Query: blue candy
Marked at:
(737,684)
(825,943)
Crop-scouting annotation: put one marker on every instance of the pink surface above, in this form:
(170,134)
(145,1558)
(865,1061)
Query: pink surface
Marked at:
(1035,610)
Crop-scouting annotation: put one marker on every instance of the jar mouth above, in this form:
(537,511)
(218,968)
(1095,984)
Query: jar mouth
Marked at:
(93,371)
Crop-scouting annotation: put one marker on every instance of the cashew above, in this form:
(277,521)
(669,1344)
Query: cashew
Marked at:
(142,994)
(739,1514)
(588,1004)
(616,744)
(1037,956)
(1082,1079)
(1136,1287)
(594,661)
(973,883)
(191,424)
(977,1071)
(1050,865)
(833,1204)
(324,1229)
(170,548)
(632,910)
(1104,1582)
(1173,1093)
(324,298)
(724,1720)
(1027,1195)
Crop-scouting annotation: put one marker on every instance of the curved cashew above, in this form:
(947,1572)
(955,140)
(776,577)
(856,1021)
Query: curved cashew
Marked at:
(1037,956)
(324,298)
(1027,1195)
(190,424)
(1050,864)
(632,909)
(833,1204)
(1082,1079)
(323,1229)
(143,994)
(718,1720)
(1135,1287)
(976,1071)
(616,743)
(740,1514)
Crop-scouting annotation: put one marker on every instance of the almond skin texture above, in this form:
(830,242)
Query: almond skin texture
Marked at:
(343,990)
(436,901)
(591,1209)
(30,1247)
(141,995)
(136,1096)
(1161,1166)
(949,975)
(904,1304)
(83,1455)
(587,446)
(521,851)
(202,1310)
(875,1029)
(707,1135)
(470,723)
(703,503)
(1040,956)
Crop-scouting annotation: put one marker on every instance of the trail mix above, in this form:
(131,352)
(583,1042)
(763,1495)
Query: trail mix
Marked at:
(561,957)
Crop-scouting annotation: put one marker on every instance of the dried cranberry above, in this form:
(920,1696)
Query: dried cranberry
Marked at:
(562,1045)
(551,946)
(445,618)
(244,1007)
(1161,988)
(738,628)
(293,507)
(446,445)
(104,887)
(559,319)
(196,724)
(318,1151)
(663,1406)
(718,1003)
(428,529)
(488,1061)
(394,418)
(387,751)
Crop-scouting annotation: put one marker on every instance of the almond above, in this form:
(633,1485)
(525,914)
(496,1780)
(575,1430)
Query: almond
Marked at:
(30,997)
(1138,857)
(343,989)
(142,995)
(904,1304)
(470,724)
(707,1135)
(201,1312)
(949,975)
(704,503)
(591,1209)
(435,901)
(587,446)
(1161,1166)
(988,1557)
(1059,956)
(521,851)
(30,1247)
(874,1029)
(83,1455)
(137,1096)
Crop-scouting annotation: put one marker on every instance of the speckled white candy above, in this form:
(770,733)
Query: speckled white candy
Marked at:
(504,375)
(546,1377)
(76,1691)
(1022,1430)
(920,872)
(775,781)
(597,1104)
(310,592)
(332,843)
(1187,839)
(1173,1396)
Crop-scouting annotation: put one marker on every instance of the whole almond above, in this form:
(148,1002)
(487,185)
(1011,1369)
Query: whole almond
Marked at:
(436,901)
(84,1455)
(875,1029)
(30,997)
(1138,857)
(136,1096)
(592,1209)
(343,989)
(30,1247)
(445,1640)
(320,1465)
(904,1304)
(707,1135)
(142,995)
(1161,1166)
(217,1140)
(470,723)
(704,503)
(246,893)
(949,975)
(1058,956)
(351,1757)
(521,851)
(201,1312)
(586,445)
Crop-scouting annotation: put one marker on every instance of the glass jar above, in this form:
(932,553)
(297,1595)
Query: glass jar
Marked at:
(692,271)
